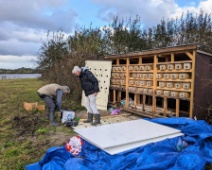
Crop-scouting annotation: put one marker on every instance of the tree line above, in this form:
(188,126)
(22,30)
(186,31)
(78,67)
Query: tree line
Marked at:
(58,55)
(22,70)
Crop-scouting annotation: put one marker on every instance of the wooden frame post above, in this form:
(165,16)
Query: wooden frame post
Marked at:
(154,84)
(144,101)
(114,96)
(192,84)
(177,107)
(164,105)
(127,82)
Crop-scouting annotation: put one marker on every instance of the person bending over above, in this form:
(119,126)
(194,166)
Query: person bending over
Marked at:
(52,95)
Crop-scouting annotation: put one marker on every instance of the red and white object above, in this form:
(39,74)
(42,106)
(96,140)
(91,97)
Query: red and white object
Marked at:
(74,145)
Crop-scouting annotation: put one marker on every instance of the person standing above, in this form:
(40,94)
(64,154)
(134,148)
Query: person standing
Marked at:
(90,85)
(52,95)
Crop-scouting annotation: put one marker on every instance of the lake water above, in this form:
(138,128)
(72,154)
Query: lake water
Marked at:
(18,76)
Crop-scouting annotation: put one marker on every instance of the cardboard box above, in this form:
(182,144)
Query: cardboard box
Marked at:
(135,68)
(187,66)
(159,92)
(166,93)
(184,95)
(178,66)
(174,94)
(33,106)
(162,67)
(184,76)
(166,76)
(170,66)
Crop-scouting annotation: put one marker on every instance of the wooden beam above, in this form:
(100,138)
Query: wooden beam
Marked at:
(127,82)
(177,107)
(172,57)
(189,55)
(135,100)
(164,105)
(117,62)
(114,96)
(154,84)
(119,96)
(192,84)
(140,60)
(155,51)
(139,99)
(144,101)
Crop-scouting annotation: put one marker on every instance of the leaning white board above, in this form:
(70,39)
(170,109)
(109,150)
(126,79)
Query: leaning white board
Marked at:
(119,137)
(102,71)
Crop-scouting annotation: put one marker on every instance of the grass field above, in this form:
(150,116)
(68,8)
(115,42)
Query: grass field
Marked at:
(25,136)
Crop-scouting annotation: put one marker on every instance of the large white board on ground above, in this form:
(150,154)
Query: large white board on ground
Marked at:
(102,71)
(119,137)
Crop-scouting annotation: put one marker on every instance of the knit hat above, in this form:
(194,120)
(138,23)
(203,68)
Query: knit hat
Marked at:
(76,69)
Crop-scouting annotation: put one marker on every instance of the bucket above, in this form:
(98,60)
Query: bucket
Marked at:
(67,115)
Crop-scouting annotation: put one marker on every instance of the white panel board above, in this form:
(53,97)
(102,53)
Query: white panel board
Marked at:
(102,71)
(119,137)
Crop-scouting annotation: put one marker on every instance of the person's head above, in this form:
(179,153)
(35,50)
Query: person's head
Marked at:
(76,71)
(65,89)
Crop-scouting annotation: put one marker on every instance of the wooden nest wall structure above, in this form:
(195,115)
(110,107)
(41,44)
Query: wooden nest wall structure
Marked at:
(172,81)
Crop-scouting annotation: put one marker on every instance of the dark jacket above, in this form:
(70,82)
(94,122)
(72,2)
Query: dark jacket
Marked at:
(89,82)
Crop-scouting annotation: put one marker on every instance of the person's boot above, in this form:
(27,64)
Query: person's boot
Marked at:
(89,119)
(52,119)
(97,120)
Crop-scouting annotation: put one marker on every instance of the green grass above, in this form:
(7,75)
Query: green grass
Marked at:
(25,136)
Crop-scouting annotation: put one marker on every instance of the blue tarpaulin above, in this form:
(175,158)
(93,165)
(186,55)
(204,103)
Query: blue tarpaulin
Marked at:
(190,152)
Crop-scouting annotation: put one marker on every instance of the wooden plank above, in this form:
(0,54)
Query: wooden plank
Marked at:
(164,105)
(119,96)
(154,84)
(189,55)
(177,107)
(144,101)
(139,99)
(114,96)
(172,57)
(135,99)
(192,84)
(127,82)
(184,48)
(140,60)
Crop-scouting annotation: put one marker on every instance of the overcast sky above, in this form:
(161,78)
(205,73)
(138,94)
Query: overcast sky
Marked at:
(24,23)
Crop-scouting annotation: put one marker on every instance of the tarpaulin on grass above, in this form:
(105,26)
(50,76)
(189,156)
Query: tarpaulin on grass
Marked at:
(190,152)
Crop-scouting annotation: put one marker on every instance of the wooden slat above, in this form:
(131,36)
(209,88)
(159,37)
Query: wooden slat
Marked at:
(154,84)
(127,83)
(172,57)
(140,60)
(114,96)
(189,55)
(135,100)
(164,105)
(119,96)
(192,84)
(144,101)
(156,51)
(177,107)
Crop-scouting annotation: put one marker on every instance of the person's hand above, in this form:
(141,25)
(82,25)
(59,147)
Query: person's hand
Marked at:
(95,94)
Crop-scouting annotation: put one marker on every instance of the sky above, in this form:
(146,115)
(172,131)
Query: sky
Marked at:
(24,23)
